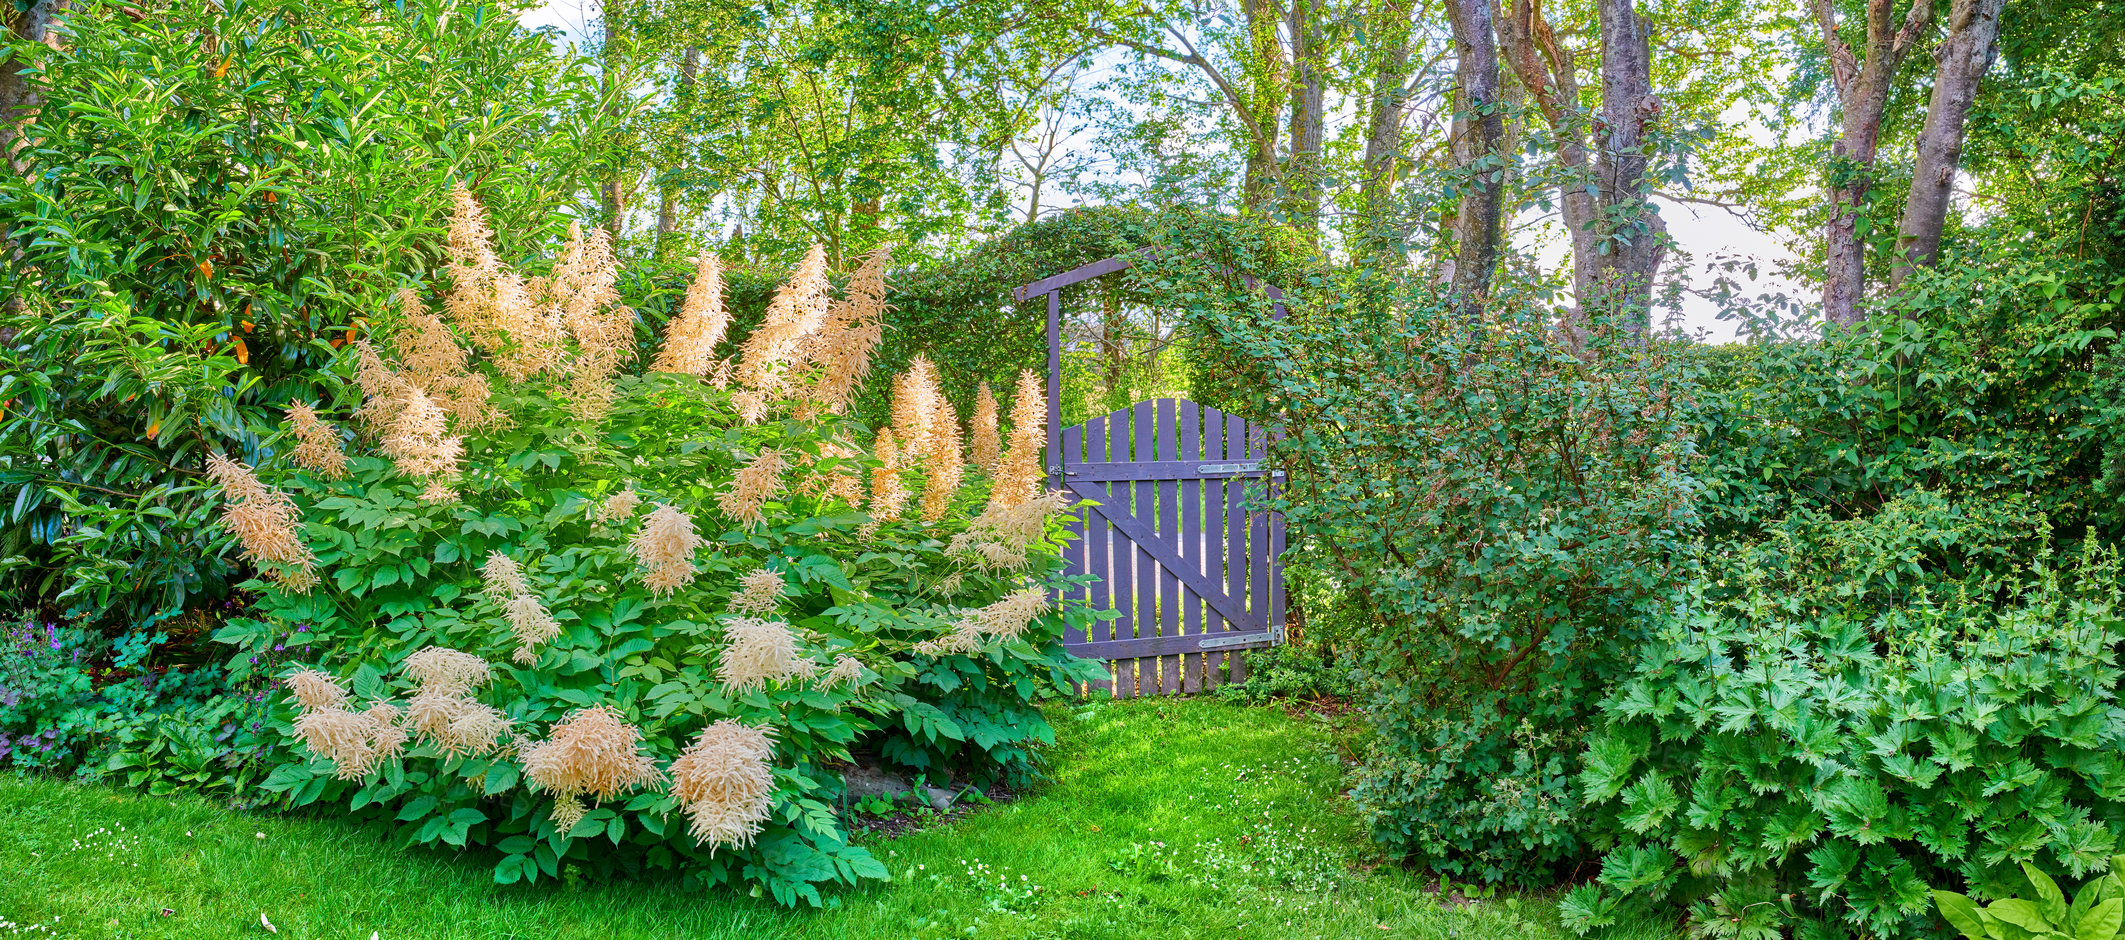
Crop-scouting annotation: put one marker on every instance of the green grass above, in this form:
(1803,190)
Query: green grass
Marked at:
(1162,819)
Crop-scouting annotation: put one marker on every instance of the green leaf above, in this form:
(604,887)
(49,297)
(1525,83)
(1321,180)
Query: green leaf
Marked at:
(2051,901)
(2102,921)
(1961,913)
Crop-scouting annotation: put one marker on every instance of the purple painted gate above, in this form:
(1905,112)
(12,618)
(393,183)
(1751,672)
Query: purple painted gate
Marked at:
(1178,553)
(1192,570)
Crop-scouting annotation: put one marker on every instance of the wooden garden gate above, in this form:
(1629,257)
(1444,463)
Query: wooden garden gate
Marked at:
(1180,554)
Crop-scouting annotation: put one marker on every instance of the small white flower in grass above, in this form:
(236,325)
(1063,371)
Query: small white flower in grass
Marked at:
(262,915)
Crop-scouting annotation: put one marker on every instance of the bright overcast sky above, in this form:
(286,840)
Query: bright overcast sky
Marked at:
(1704,232)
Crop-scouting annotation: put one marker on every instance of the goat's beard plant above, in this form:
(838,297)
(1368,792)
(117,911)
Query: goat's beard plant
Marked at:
(613,620)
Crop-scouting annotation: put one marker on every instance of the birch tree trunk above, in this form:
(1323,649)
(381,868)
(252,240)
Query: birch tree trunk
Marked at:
(1961,63)
(1863,92)
(1479,222)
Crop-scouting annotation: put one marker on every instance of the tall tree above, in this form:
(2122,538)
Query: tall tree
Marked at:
(1618,238)
(1961,63)
(1863,87)
(1386,114)
(1302,201)
(1478,152)
(1632,237)
(1546,69)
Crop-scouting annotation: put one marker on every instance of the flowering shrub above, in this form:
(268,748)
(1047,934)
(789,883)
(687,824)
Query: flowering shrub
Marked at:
(617,621)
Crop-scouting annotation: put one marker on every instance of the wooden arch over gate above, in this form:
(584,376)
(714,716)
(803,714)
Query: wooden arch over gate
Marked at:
(1178,549)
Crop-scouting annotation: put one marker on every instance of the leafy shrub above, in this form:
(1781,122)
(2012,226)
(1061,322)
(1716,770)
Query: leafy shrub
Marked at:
(1809,740)
(621,622)
(1323,627)
(1501,502)
(105,411)
(243,174)
(1993,377)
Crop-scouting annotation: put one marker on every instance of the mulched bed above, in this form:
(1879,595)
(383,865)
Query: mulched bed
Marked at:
(865,828)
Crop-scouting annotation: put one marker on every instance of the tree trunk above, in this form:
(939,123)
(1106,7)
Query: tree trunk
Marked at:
(1963,60)
(1546,70)
(18,99)
(1479,221)
(668,206)
(613,59)
(1863,92)
(1381,239)
(1632,240)
(1259,188)
(1302,207)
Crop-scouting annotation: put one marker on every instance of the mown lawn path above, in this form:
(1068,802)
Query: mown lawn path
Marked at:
(1182,819)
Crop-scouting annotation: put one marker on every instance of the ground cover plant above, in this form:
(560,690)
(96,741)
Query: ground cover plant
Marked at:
(1181,818)
(614,620)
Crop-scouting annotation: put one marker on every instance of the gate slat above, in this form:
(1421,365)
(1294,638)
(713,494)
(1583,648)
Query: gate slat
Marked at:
(1075,560)
(1099,557)
(1236,538)
(1142,422)
(1191,532)
(1214,548)
(1169,582)
(1125,553)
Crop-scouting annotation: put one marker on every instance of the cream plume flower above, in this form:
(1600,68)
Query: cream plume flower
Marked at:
(758,593)
(532,624)
(665,545)
(387,733)
(618,506)
(1019,474)
(945,462)
(915,408)
(383,389)
(760,651)
(999,538)
(447,671)
(854,328)
(847,670)
(420,442)
(725,783)
(964,640)
(1010,616)
(502,578)
(756,483)
(888,496)
(318,447)
(265,521)
(312,689)
(987,445)
(592,752)
(690,341)
(798,310)
(340,736)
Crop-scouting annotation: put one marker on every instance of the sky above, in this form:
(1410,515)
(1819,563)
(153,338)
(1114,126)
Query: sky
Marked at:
(1703,232)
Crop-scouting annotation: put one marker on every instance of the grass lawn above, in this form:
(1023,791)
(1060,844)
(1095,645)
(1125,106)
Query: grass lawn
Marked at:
(1187,818)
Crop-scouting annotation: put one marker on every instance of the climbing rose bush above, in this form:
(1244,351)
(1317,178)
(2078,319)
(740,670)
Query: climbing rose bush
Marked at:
(593,617)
